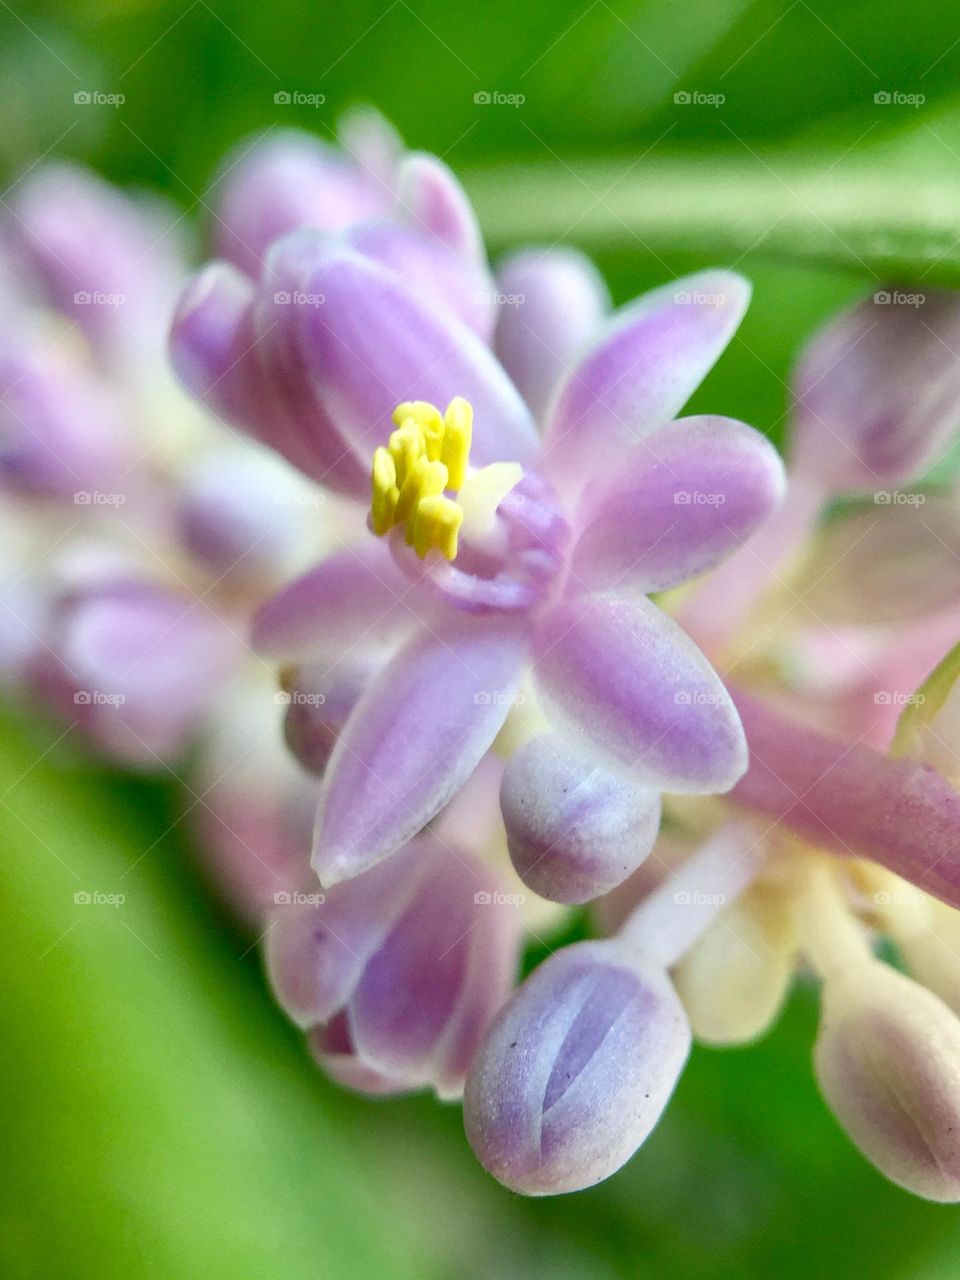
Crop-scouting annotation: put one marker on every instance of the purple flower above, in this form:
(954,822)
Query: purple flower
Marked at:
(396,975)
(558,542)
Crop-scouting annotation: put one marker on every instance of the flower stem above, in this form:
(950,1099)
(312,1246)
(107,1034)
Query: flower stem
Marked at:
(671,919)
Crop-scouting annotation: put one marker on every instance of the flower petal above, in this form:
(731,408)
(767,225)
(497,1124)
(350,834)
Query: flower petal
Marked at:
(316,951)
(375,341)
(439,976)
(632,687)
(414,738)
(679,503)
(355,596)
(640,372)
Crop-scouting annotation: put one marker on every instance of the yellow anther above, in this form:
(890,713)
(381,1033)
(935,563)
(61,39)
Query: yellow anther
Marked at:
(431,480)
(406,445)
(457,434)
(428,418)
(436,525)
(383,501)
(427,454)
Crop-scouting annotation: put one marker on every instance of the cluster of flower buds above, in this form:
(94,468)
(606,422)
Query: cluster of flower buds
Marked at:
(428,560)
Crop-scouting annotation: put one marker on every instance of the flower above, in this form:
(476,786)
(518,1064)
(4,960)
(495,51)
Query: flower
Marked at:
(555,539)
(396,974)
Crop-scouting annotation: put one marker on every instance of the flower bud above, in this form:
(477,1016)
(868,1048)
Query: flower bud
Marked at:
(246,516)
(875,392)
(135,666)
(61,428)
(734,979)
(552,302)
(888,1063)
(397,972)
(320,697)
(284,182)
(575,1071)
(574,830)
(110,263)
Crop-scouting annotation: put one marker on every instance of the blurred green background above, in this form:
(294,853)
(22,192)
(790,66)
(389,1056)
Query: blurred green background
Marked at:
(158,1118)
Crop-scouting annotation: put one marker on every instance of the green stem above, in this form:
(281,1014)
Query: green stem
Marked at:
(861,215)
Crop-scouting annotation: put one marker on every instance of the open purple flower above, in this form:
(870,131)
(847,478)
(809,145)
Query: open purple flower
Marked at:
(396,975)
(504,551)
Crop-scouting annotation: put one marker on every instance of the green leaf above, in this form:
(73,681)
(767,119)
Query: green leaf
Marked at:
(156,1118)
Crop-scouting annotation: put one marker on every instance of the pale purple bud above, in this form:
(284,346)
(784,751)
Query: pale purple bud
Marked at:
(575,1071)
(877,391)
(320,697)
(398,972)
(61,429)
(574,830)
(552,302)
(111,263)
(888,1062)
(437,206)
(245,516)
(285,182)
(135,666)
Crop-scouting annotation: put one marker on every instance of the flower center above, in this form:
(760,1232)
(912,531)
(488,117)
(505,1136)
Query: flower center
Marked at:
(425,459)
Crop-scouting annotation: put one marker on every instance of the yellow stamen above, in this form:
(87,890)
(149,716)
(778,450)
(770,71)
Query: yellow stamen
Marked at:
(457,435)
(383,501)
(431,478)
(406,445)
(437,524)
(427,454)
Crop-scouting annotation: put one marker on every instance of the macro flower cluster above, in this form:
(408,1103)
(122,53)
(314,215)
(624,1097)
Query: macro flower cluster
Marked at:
(452,622)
